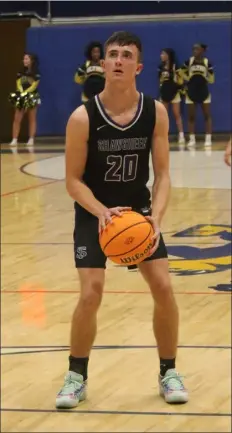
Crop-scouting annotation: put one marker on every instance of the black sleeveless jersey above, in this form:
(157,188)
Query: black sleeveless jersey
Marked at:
(117,167)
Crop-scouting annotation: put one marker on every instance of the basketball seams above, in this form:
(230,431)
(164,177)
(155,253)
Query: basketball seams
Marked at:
(135,247)
(125,229)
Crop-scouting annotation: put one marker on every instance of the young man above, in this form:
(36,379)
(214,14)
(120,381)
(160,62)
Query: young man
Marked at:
(108,143)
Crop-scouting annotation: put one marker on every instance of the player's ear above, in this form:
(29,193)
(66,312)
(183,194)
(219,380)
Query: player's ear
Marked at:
(139,68)
(102,63)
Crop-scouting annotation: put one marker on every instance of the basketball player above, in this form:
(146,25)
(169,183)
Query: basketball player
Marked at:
(108,142)
(228,153)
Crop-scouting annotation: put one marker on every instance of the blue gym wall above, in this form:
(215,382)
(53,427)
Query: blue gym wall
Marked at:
(60,51)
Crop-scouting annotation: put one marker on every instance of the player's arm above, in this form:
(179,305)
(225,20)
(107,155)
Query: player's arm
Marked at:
(160,161)
(77,133)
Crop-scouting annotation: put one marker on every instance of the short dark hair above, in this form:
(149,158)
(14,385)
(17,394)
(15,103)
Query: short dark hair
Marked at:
(124,38)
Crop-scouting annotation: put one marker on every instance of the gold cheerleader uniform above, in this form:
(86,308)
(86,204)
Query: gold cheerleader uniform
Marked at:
(198,73)
(170,82)
(91,76)
(26,95)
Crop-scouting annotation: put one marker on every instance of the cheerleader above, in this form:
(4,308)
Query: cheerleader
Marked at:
(91,74)
(170,81)
(26,98)
(198,72)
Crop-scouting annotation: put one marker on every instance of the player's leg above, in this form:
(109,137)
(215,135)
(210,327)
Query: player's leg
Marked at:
(90,262)
(208,121)
(165,324)
(178,118)
(18,116)
(191,121)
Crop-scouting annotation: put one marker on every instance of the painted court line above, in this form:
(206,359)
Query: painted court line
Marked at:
(118,346)
(108,292)
(16,191)
(129,346)
(121,412)
(50,349)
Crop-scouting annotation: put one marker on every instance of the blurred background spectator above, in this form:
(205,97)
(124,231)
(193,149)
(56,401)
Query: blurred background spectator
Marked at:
(26,98)
(198,72)
(171,81)
(90,74)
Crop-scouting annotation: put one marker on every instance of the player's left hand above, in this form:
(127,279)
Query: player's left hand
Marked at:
(105,217)
(156,237)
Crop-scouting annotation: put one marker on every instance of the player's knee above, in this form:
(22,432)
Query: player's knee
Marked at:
(91,295)
(162,292)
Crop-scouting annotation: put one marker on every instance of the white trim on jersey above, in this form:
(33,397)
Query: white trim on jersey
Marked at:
(115,125)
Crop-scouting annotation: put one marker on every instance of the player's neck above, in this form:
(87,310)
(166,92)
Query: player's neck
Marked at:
(117,99)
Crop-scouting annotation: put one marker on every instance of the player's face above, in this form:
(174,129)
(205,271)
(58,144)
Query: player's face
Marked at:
(121,64)
(164,56)
(27,61)
(96,54)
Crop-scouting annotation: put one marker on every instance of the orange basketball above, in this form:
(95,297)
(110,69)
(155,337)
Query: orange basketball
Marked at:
(127,240)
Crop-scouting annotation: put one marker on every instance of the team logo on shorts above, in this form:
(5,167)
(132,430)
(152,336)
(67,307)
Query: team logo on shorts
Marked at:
(81,252)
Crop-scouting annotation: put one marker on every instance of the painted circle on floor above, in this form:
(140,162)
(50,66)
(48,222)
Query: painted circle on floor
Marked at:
(197,169)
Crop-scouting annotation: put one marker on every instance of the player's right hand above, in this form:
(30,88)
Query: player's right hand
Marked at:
(106,215)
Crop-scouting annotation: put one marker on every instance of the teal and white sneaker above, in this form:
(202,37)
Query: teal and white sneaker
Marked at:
(73,391)
(172,387)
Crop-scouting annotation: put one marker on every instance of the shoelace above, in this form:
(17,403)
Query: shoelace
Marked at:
(69,384)
(173,381)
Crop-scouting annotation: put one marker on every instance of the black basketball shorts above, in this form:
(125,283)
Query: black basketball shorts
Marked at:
(87,250)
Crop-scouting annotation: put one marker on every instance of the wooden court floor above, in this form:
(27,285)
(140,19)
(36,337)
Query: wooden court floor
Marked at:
(39,289)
